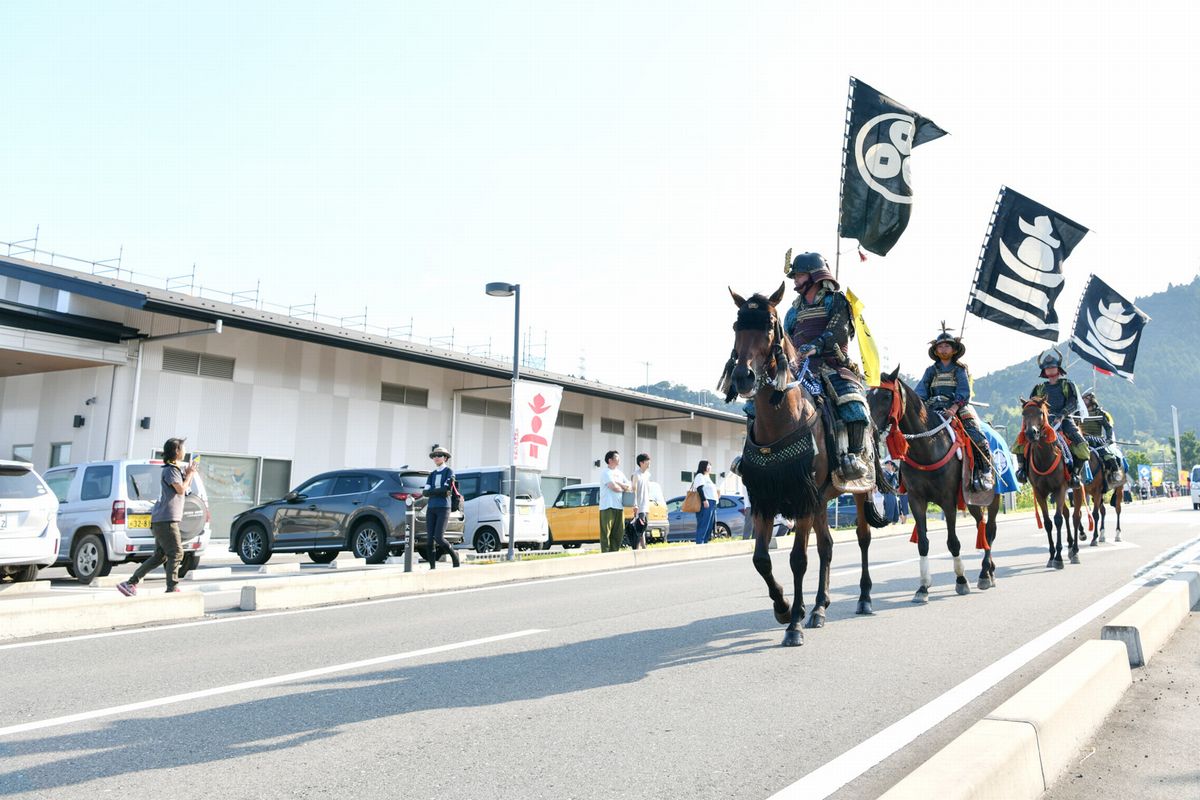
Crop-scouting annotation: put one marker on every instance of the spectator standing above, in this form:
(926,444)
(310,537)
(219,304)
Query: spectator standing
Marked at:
(613,484)
(891,501)
(438,486)
(706,517)
(641,500)
(164,520)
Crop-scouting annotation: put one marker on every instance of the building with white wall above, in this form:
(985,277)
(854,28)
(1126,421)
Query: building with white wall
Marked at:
(94,368)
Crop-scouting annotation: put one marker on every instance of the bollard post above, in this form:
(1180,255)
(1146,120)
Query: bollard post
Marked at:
(410,532)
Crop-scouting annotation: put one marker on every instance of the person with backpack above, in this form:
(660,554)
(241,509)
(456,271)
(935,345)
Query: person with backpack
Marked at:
(439,488)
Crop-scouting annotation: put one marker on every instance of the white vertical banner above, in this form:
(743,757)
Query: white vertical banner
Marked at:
(534,415)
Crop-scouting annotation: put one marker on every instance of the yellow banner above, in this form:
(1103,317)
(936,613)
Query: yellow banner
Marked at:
(1156,476)
(866,343)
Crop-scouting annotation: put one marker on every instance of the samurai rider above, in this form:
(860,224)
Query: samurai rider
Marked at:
(1062,400)
(946,385)
(820,325)
(1097,429)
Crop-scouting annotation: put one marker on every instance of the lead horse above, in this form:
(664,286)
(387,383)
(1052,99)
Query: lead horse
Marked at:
(929,454)
(785,464)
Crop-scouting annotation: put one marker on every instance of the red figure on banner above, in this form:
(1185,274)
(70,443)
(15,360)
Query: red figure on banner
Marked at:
(538,407)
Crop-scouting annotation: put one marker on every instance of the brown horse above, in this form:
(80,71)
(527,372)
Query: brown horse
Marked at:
(926,448)
(1049,476)
(786,462)
(1102,481)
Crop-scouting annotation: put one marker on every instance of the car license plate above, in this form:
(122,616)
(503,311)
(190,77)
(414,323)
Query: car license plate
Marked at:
(3,521)
(138,521)
(524,510)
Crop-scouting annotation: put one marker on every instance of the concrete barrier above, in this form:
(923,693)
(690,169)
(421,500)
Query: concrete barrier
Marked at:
(1019,749)
(275,569)
(24,617)
(1146,625)
(991,760)
(25,587)
(209,573)
(1067,703)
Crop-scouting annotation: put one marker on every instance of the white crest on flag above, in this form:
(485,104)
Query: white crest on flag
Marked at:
(1107,329)
(534,415)
(884,160)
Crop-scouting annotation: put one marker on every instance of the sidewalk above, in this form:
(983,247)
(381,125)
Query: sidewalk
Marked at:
(1147,747)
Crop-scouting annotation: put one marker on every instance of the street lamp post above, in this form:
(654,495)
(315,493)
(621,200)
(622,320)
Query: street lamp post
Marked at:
(505,290)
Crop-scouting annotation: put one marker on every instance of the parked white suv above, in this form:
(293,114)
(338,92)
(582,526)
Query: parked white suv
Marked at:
(104,516)
(485,509)
(28,530)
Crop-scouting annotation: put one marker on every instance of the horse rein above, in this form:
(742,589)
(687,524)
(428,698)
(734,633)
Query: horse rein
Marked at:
(894,419)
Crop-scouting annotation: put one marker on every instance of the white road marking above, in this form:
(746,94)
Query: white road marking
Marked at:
(828,778)
(129,708)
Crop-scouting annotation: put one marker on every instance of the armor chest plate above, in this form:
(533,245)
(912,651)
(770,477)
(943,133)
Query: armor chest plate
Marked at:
(944,383)
(810,323)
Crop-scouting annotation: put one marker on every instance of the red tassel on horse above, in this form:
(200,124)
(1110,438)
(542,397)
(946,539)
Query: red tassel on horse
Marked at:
(914,538)
(981,542)
(1037,516)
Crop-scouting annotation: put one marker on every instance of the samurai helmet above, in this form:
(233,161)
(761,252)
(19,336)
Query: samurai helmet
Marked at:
(812,263)
(1051,359)
(960,349)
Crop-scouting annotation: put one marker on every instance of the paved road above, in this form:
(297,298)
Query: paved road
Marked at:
(640,683)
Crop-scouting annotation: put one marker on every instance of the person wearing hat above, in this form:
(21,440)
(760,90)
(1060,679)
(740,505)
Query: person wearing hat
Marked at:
(1062,400)
(947,384)
(1097,429)
(820,325)
(438,487)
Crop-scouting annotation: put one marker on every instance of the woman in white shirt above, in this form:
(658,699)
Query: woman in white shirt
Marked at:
(706,517)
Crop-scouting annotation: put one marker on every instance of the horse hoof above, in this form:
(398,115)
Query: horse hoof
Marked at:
(1074,558)
(1117,538)
(793,638)
(922,596)
(864,608)
(815,620)
(1094,542)
(1057,563)
(991,581)
(785,616)
(1050,563)
(983,584)
(1102,538)
(962,588)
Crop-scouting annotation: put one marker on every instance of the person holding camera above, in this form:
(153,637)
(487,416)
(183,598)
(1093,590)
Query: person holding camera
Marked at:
(438,488)
(165,519)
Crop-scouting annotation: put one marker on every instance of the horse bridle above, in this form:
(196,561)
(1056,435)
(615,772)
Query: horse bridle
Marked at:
(776,372)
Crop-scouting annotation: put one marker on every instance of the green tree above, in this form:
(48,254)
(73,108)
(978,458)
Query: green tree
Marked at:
(1189,449)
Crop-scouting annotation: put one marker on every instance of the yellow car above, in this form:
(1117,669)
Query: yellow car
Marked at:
(575,516)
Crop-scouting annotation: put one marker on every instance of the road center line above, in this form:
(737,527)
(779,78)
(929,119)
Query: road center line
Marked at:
(257,684)
(828,778)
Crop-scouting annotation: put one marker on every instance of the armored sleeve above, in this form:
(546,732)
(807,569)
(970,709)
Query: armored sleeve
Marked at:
(962,391)
(1107,423)
(838,327)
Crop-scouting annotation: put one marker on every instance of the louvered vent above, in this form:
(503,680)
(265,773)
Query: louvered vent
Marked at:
(216,366)
(180,361)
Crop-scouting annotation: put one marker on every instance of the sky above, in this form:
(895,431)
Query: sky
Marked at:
(624,162)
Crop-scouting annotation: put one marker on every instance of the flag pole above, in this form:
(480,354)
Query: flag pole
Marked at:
(987,235)
(837,249)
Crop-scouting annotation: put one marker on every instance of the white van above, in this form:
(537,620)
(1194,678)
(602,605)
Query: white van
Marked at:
(485,509)
(1196,487)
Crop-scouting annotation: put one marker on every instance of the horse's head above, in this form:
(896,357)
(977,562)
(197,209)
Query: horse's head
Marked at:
(886,400)
(1035,418)
(761,352)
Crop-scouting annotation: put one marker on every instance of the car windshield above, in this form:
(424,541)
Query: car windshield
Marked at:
(411,480)
(529,485)
(19,484)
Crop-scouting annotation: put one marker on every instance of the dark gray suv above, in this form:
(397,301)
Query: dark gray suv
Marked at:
(360,510)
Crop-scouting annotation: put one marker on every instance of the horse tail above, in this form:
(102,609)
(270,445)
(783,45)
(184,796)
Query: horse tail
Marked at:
(874,518)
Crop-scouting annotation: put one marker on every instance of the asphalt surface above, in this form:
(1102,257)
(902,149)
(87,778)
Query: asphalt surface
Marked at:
(663,681)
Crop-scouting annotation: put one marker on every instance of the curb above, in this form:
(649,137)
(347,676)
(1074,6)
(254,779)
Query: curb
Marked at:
(24,617)
(1020,748)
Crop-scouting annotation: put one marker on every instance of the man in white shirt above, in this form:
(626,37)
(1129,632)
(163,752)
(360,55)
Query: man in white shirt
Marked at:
(641,500)
(613,484)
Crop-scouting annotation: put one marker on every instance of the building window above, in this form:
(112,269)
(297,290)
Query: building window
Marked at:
(204,364)
(23,452)
(405,395)
(647,431)
(686,477)
(569,419)
(690,437)
(485,408)
(60,453)
(614,426)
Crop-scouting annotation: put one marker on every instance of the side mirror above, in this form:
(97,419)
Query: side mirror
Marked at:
(293,497)
(559,504)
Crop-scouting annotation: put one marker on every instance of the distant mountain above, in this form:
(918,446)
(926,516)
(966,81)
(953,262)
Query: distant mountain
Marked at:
(1167,373)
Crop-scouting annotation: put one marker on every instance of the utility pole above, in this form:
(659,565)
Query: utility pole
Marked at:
(1178,455)
(647,383)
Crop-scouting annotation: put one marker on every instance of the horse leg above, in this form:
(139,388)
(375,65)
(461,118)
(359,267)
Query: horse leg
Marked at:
(1097,515)
(816,617)
(864,581)
(955,547)
(1075,531)
(793,636)
(976,513)
(762,563)
(919,510)
(1043,502)
(990,531)
(1098,504)
(1060,502)
(1119,498)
